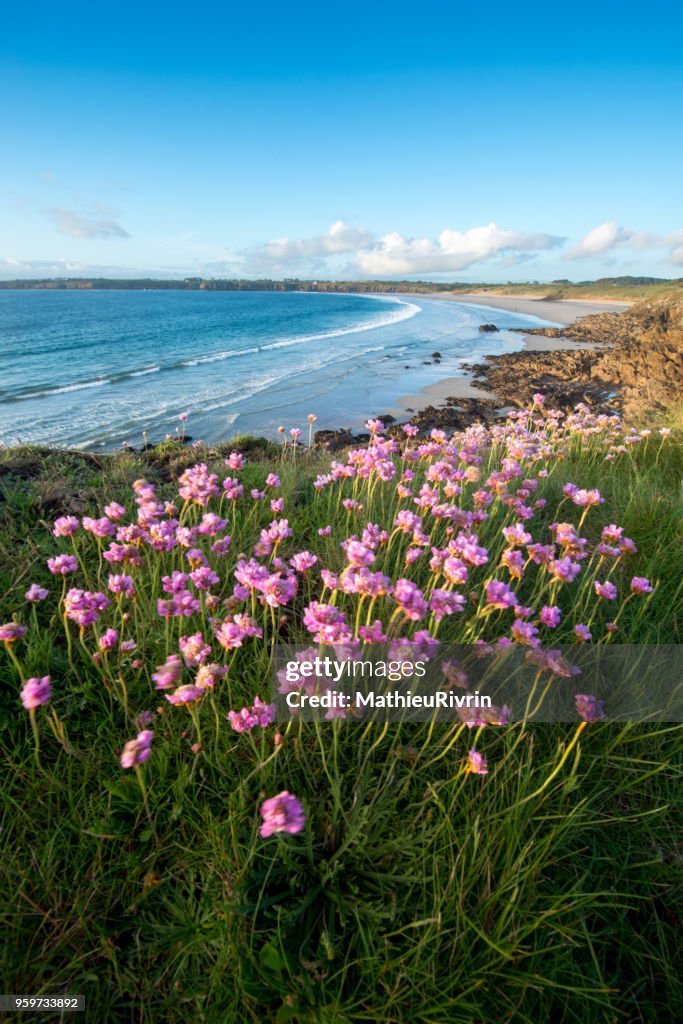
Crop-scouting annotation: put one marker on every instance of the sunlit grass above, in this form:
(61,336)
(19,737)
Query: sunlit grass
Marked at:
(416,891)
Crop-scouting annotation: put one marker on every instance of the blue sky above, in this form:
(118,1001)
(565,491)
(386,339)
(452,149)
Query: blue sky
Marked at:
(453,141)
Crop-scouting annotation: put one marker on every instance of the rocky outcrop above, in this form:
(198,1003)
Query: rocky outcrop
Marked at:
(630,363)
(633,363)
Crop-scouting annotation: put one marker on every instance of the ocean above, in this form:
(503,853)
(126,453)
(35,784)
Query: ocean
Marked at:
(94,369)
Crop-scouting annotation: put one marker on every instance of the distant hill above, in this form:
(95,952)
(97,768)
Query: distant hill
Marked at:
(632,289)
(628,289)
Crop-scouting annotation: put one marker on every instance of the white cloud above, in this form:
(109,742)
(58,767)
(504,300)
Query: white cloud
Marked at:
(76,225)
(602,240)
(395,254)
(599,240)
(340,238)
(12,269)
(675,242)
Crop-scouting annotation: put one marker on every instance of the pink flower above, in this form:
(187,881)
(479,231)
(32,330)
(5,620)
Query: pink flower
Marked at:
(282,813)
(36,593)
(184,694)
(612,534)
(553,661)
(198,485)
(606,590)
(541,554)
(326,621)
(587,498)
(99,527)
(278,530)
(445,602)
(168,674)
(410,599)
(330,579)
(582,632)
(524,633)
(259,714)
(83,607)
(221,546)
(208,675)
(204,577)
(121,585)
(233,488)
(499,595)
(60,565)
(589,708)
(564,569)
(36,692)
(278,590)
(137,751)
(229,635)
(211,524)
(516,535)
(373,634)
(108,640)
(550,616)
(65,526)
(470,551)
(513,560)
(476,763)
(194,649)
(114,510)
(641,585)
(175,583)
(455,571)
(181,604)
(303,561)
(358,554)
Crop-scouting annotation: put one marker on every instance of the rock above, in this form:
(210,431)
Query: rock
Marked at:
(631,362)
(334,440)
(487,328)
(436,355)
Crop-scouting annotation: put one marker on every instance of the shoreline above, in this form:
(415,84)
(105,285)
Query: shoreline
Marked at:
(560,311)
(466,386)
(627,362)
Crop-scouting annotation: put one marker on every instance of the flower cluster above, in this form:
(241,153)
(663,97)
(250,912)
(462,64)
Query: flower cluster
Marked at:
(414,541)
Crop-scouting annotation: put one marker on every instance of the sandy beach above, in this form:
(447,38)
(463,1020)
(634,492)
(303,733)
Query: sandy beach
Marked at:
(561,311)
(557,311)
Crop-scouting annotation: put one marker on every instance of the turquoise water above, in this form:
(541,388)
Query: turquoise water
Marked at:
(97,368)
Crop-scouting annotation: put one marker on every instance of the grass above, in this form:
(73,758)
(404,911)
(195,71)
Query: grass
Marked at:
(548,889)
(607,290)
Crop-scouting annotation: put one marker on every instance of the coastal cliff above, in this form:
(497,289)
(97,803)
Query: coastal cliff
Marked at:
(629,362)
